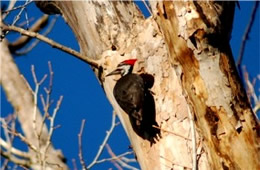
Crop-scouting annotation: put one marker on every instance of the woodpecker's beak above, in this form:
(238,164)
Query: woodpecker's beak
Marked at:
(117,71)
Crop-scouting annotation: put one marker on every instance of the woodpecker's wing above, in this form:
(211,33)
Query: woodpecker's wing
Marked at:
(129,94)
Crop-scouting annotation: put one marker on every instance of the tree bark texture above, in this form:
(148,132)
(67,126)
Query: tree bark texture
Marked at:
(197,36)
(185,47)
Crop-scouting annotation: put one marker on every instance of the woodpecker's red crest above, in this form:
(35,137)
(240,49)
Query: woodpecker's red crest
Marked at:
(124,68)
(129,62)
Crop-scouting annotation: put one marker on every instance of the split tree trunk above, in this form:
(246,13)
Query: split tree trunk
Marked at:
(185,46)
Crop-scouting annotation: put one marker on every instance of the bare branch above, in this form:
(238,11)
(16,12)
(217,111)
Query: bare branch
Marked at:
(9,8)
(12,8)
(82,162)
(52,118)
(128,160)
(54,44)
(9,139)
(109,150)
(16,160)
(30,145)
(23,40)
(4,124)
(35,98)
(47,103)
(147,7)
(74,164)
(26,18)
(121,156)
(17,17)
(13,150)
(122,163)
(245,36)
(21,97)
(251,91)
(256,108)
(101,148)
(36,42)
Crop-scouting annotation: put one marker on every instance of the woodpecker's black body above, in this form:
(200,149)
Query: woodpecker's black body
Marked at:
(133,96)
(129,93)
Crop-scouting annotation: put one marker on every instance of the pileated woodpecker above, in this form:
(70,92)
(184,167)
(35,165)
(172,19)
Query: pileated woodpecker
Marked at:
(133,96)
(129,91)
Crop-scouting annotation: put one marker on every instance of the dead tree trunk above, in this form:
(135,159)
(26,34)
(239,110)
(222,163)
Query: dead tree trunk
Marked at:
(197,35)
(185,47)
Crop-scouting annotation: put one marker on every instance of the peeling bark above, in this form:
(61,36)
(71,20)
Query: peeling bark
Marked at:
(197,35)
(185,46)
(114,31)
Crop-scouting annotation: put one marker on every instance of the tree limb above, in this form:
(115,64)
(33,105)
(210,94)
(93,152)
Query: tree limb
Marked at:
(246,34)
(101,147)
(14,150)
(16,160)
(23,40)
(54,44)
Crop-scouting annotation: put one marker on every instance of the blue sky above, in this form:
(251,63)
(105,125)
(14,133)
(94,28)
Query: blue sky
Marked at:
(83,96)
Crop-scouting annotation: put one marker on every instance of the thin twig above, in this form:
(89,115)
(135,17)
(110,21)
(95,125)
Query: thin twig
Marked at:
(246,34)
(8,138)
(82,162)
(15,160)
(23,23)
(251,92)
(26,18)
(147,7)
(121,156)
(24,40)
(122,163)
(17,17)
(101,148)
(256,109)
(128,160)
(35,94)
(36,42)
(46,104)
(74,164)
(109,150)
(9,142)
(54,44)
(4,124)
(30,145)
(9,8)
(250,87)
(18,7)
(52,118)
(13,150)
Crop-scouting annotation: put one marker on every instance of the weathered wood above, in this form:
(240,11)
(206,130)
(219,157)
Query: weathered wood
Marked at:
(197,35)
(189,56)
(114,31)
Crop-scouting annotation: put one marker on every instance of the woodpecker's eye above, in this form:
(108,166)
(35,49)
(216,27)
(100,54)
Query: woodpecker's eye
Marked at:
(113,48)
